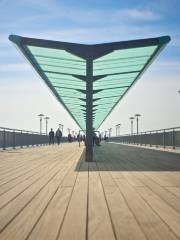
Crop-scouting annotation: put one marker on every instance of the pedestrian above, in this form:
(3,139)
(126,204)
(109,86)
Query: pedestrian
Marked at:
(58,136)
(51,137)
(69,138)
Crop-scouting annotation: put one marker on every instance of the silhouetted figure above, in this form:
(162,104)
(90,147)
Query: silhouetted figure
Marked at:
(100,138)
(58,136)
(51,137)
(69,138)
(95,139)
(84,139)
(81,138)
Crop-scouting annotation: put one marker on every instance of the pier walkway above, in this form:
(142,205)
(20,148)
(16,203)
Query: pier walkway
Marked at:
(49,192)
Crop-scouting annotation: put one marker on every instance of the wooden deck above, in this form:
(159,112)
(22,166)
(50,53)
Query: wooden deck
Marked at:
(49,192)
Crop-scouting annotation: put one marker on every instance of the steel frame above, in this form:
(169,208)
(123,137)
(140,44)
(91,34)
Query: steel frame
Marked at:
(89,53)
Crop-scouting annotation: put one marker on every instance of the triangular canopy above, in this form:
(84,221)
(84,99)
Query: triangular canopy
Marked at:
(115,67)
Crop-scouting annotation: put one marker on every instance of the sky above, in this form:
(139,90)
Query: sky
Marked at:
(23,95)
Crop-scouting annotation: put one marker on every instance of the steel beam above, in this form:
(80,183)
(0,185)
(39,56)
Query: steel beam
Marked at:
(89,108)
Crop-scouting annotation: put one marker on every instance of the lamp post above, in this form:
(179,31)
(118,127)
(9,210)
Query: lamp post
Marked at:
(61,126)
(40,117)
(105,133)
(131,118)
(46,118)
(137,120)
(110,132)
(118,129)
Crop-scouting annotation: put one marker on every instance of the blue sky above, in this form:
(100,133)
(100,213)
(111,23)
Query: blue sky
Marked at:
(22,93)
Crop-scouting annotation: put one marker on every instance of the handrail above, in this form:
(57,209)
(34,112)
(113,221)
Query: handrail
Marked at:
(20,130)
(161,137)
(150,131)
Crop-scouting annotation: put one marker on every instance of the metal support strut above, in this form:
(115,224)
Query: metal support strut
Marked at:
(89,105)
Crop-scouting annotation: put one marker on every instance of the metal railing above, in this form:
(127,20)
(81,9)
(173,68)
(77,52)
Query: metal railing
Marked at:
(11,138)
(169,137)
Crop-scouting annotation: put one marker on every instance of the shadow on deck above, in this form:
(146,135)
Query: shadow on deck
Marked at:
(113,157)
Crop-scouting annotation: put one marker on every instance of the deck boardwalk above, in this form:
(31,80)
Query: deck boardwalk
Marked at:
(50,193)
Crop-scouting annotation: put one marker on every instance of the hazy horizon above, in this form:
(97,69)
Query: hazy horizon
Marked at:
(23,95)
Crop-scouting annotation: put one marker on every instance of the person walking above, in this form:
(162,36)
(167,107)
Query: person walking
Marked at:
(69,138)
(51,137)
(58,136)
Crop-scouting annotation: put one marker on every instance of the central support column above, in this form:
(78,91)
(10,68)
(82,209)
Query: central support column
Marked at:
(89,108)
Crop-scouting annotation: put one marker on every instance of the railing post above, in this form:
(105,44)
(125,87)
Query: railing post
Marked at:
(27,139)
(157,139)
(150,139)
(173,139)
(14,140)
(21,139)
(4,139)
(164,139)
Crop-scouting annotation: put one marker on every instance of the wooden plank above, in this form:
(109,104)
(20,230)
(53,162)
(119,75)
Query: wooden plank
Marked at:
(125,224)
(166,212)
(48,226)
(161,192)
(153,227)
(74,224)
(99,222)
(11,194)
(174,190)
(50,223)
(32,210)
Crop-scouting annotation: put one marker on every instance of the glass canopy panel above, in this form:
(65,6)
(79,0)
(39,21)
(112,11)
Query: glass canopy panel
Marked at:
(63,68)
(60,69)
(119,70)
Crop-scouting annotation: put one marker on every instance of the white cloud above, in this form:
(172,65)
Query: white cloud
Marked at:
(14,67)
(136,14)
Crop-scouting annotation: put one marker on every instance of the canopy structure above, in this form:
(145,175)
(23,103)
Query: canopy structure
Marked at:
(89,80)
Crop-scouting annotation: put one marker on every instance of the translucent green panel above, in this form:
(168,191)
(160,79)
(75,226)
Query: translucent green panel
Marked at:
(59,61)
(69,92)
(131,54)
(128,53)
(69,82)
(53,53)
(118,70)
(111,86)
(61,76)
(110,93)
(105,101)
(119,61)
(61,69)
(70,86)
(120,76)
(118,66)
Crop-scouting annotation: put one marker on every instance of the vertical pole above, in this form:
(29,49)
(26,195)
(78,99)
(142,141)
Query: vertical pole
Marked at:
(137,126)
(173,139)
(164,140)
(4,139)
(46,126)
(89,106)
(14,143)
(131,127)
(62,129)
(40,125)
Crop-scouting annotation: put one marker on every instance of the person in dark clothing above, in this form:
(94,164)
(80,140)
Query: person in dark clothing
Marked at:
(58,136)
(69,138)
(96,139)
(84,139)
(51,137)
